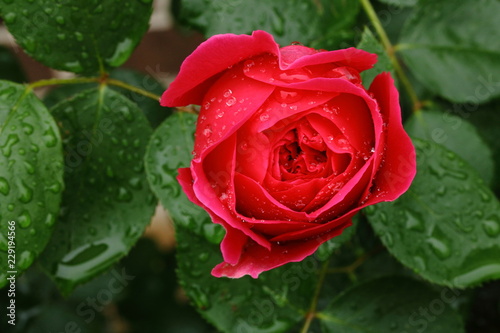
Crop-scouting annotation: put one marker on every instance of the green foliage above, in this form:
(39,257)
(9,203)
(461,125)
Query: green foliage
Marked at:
(453,46)
(108,202)
(446,227)
(391,304)
(457,135)
(78,36)
(170,149)
(30,178)
(370,43)
(319,24)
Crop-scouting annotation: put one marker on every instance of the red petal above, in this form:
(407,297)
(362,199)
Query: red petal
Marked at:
(398,167)
(255,259)
(211,58)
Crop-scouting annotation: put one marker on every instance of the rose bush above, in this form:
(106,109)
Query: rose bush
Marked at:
(289,145)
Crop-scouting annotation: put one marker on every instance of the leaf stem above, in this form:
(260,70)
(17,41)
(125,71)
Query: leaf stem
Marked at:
(104,79)
(54,82)
(370,12)
(137,90)
(311,314)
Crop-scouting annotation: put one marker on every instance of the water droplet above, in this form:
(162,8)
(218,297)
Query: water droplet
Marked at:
(29,44)
(420,263)
(12,139)
(79,36)
(60,20)
(228,93)
(25,259)
(50,137)
(492,226)
(414,222)
(203,257)
(4,186)
(87,260)
(26,193)
(439,244)
(199,297)
(10,18)
(24,220)
(388,239)
(54,188)
(50,220)
(220,114)
(231,101)
(207,132)
(264,117)
(124,195)
(109,172)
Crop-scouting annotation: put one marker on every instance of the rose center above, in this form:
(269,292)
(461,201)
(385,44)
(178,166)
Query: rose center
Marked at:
(300,156)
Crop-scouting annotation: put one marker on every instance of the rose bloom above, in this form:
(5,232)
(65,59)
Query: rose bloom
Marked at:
(289,145)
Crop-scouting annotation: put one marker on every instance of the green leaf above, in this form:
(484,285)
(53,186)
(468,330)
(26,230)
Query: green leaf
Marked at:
(107,203)
(457,135)
(170,149)
(30,177)
(446,227)
(487,120)
(326,249)
(391,304)
(78,36)
(318,24)
(275,302)
(152,109)
(400,3)
(370,44)
(453,46)
(10,69)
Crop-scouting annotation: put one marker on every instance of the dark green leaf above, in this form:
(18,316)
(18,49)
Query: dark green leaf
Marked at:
(108,202)
(170,149)
(326,249)
(453,47)
(446,227)
(457,135)
(10,69)
(78,36)
(370,43)
(487,120)
(401,3)
(274,302)
(151,108)
(318,24)
(30,177)
(391,304)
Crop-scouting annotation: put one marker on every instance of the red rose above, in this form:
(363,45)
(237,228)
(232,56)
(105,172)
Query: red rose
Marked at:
(289,145)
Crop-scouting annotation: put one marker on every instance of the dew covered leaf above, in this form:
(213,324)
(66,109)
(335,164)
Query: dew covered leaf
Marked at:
(78,36)
(453,47)
(370,44)
(31,173)
(446,227)
(318,24)
(170,149)
(391,304)
(275,302)
(107,203)
(457,135)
